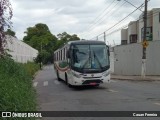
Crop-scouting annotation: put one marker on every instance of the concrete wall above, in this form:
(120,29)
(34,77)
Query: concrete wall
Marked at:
(111,60)
(124,34)
(20,51)
(128,59)
(156,24)
(133,28)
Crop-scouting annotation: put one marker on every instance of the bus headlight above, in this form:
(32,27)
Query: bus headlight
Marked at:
(76,75)
(106,73)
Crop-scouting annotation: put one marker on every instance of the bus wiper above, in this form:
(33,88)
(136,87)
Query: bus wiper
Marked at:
(95,56)
(86,61)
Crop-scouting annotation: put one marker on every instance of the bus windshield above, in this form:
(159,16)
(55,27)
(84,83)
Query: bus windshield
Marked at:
(90,57)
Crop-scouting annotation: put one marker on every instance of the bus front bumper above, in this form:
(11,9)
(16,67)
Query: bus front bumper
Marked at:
(79,82)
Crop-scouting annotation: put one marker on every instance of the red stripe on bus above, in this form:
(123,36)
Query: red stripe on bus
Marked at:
(61,69)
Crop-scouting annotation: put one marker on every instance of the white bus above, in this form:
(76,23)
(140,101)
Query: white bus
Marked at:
(83,63)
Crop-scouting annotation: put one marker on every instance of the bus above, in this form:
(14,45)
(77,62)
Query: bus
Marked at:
(84,62)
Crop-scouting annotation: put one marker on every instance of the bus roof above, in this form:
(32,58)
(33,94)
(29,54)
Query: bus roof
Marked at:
(82,42)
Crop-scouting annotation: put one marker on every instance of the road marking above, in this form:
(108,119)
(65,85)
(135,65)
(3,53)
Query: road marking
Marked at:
(157,103)
(51,67)
(56,82)
(113,91)
(35,84)
(45,83)
(113,81)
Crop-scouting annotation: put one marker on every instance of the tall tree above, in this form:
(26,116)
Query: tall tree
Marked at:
(5,17)
(40,38)
(65,37)
(10,32)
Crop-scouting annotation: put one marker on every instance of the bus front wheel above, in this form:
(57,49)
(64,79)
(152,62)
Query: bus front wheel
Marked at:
(66,80)
(58,76)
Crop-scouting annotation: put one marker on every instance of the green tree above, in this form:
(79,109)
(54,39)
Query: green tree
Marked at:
(10,32)
(65,37)
(40,38)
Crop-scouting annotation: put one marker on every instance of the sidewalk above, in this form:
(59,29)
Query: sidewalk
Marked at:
(135,78)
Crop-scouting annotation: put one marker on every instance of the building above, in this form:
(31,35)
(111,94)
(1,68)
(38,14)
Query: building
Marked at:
(134,32)
(124,38)
(20,51)
(128,56)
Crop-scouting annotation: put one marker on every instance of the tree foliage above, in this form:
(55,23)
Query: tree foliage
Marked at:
(5,17)
(40,38)
(64,38)
(10,32)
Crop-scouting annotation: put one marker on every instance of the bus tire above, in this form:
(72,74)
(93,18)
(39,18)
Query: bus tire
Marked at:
(97,85)
(58,76)
(66,80)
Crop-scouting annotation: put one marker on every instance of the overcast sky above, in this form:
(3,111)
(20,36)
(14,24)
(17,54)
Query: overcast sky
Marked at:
(87,18)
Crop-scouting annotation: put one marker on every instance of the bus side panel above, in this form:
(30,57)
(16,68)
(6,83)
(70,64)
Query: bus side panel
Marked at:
(62,75)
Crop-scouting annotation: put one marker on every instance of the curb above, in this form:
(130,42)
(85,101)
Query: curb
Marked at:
(124,79)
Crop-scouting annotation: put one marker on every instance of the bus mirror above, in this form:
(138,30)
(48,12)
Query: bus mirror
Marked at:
(108,51)
(67,54)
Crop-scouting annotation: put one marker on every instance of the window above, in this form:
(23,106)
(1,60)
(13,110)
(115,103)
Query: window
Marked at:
(133,38)
(58,55)
(123,42)
(64,51)
(61,54)
(159,16)
(55,57)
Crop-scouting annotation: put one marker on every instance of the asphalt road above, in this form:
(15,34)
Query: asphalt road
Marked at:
(115,96)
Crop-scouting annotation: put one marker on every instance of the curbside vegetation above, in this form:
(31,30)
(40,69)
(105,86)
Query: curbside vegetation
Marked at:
(16,90)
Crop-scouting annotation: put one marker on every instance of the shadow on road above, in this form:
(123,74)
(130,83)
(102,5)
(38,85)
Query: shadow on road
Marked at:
(88,87)
(85,87)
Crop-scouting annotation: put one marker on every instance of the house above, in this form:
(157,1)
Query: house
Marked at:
(134,32)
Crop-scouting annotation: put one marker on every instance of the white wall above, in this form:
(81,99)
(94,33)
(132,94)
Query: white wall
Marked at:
(128,59)
(132,29)
(156,24)
(124,34)
(20,51)
(111,60)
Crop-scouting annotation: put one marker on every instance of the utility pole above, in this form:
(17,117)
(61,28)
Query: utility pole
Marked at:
(108,43)
(104,37)
(143,73)
(97,38)
(114,43)
(41,56)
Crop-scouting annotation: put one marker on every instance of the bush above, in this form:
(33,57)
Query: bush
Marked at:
(31,68)
(16,90)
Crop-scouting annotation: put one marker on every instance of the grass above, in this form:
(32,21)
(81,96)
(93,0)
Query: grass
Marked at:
(16,90)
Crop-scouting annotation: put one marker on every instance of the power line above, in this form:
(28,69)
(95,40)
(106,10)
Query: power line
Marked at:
(104,10)
(107,17)
(121,20)
(132,4)
(101,14)
(104,16)
(95,25)
(125,26)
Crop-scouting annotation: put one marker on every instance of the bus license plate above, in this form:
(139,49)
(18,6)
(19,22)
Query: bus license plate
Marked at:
(93,83)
